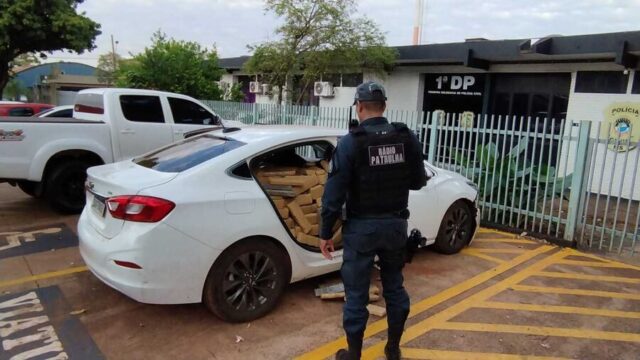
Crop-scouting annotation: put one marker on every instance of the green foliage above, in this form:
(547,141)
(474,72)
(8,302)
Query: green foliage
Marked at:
(234,93)
(171,65)
(28,26)
(14,90)
(319,37)
(107,65)
(509,174)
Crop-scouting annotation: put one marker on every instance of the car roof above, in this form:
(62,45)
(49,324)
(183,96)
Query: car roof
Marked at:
(128,91)
(272,135)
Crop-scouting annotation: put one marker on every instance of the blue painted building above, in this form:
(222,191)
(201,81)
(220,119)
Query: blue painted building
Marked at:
(57,83)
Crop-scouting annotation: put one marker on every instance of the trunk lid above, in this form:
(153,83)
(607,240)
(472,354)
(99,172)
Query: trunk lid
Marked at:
(121,178)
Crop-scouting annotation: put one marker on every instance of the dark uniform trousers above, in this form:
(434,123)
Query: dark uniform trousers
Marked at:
(364,239)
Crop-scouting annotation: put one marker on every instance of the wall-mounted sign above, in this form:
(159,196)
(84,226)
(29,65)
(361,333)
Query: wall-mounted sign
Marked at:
(454,93)
(622,126)
(458,85)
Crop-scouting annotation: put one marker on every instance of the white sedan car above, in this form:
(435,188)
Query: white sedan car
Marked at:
(230,218)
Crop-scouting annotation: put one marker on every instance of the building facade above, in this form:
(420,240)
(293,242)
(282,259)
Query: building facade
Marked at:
(57,83)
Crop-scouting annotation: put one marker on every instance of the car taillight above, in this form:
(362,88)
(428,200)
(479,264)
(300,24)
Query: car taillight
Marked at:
(139,208)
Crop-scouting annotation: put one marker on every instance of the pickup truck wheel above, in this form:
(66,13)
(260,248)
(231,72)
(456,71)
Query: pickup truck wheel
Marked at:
(455,230)
(246,281)
(30,188)
(65,186)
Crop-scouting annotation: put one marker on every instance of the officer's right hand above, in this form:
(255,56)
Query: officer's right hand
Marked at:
(326,247)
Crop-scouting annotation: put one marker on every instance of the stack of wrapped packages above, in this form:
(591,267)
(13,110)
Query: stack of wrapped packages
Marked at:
(296,193)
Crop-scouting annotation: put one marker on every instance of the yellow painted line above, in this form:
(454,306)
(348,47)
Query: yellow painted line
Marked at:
(472,252)
(628,266)
(44,276)
(499,251)
(374,328)
(561,275)
(412,353)
(508,241)
(596,264)
(445,315)
(558,309)
(542,331)
(492,231)
(564,291)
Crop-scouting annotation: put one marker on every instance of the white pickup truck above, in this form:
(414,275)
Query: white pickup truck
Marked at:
(48,157)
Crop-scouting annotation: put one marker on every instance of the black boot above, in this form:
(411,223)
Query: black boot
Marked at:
(343,354)
(392,352)
(392,349)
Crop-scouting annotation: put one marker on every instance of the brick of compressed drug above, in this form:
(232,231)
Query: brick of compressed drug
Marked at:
(320,172)
(312,218)
(299,180)
(319,203)
(317,191)
(308,209)
(290,223)
(337,237)
(325,165)
(337,225)
(304,199)
(284,213)
(277,172)
(308,239)
(315,230)
(311,170)
(279,202)
(322,179)
(299,217)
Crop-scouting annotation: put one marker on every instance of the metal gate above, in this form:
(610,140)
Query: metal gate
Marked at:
(569,181)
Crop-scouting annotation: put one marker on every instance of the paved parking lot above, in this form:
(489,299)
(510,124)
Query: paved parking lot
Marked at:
(502,298)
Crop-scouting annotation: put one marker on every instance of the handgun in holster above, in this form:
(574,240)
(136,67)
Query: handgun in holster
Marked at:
(415,241)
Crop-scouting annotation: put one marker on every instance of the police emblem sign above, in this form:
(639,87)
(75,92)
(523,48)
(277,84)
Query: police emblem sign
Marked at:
(622,126)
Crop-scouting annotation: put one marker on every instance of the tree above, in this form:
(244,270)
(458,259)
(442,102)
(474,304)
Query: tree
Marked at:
(107,65)
(178,66)
(318,37)
(38,26)
(14,90)
(234,93)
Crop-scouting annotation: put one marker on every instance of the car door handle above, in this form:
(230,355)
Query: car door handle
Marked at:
(127,131)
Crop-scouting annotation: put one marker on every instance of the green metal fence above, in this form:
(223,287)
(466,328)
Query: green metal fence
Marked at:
(562,179)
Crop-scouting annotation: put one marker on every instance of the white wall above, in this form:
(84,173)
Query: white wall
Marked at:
(403,89)
(592,107)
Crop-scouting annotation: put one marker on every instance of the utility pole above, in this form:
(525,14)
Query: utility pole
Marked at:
(417,22)
(113,53)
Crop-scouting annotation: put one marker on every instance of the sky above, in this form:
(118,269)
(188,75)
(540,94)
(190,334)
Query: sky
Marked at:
(231,25)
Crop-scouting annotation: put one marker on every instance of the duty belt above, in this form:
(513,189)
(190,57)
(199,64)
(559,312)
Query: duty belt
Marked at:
(402,214)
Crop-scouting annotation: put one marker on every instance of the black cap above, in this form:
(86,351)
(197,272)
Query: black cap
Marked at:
(370,91)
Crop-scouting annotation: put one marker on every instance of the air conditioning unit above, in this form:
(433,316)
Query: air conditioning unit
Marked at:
(266,88)
(323,88)
(255,87)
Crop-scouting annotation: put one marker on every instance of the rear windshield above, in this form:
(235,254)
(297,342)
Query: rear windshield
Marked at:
(89,103)
(187,153)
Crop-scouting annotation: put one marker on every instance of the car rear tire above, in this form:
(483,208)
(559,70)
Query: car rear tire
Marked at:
(247,280)
(456,229)
(30,188)
(65,186)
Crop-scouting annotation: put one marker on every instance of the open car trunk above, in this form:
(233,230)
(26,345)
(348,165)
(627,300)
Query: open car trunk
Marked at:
(293,179)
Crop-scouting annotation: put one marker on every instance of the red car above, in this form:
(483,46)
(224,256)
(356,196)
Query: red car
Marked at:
(26,109)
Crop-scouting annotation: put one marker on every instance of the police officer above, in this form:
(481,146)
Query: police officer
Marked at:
(372,169)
